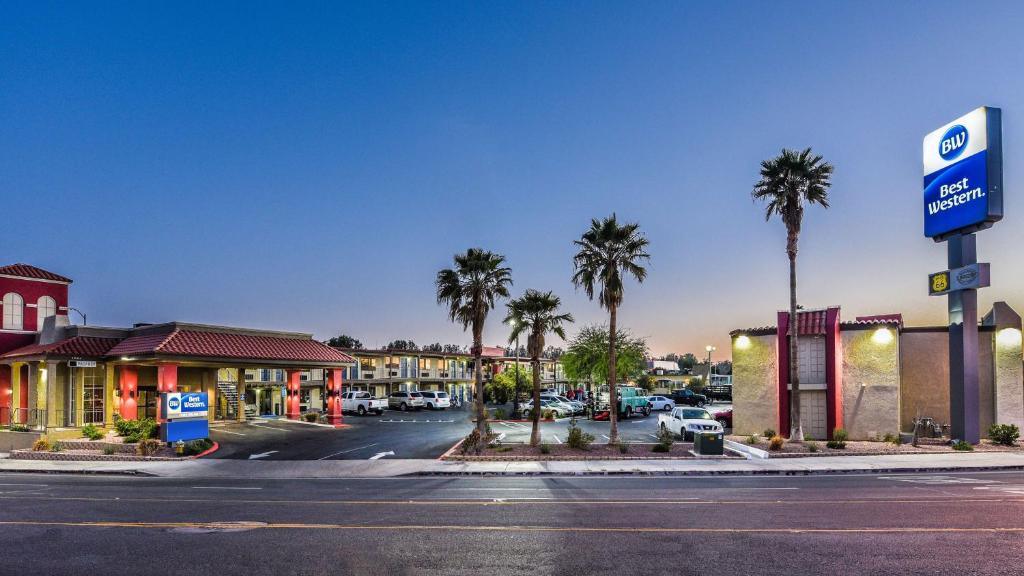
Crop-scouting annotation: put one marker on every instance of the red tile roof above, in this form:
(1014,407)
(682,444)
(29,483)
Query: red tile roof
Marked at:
(84,346)
(29,271)
(210,344)
(810,322)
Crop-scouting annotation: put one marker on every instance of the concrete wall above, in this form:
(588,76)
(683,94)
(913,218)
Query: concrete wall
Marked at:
(871,382)
(755,391)
(1009,377)
(924,359)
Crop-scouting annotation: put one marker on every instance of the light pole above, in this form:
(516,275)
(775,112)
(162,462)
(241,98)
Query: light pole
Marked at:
(80,313)
(709,349)
(515,385)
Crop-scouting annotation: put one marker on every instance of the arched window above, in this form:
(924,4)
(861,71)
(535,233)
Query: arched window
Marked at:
(45,307)
(14,311)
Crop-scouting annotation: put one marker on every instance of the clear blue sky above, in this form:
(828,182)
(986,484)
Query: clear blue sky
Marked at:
(312,168)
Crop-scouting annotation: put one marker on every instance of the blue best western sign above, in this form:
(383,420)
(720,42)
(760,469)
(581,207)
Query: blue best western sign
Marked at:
(186,416)
(963,175)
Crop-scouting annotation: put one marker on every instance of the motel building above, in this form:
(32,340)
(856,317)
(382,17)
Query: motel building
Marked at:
(871,376)
(57,375)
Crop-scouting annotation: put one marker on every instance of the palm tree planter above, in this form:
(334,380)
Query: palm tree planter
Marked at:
(470,290)
(787,182)
(537,312)
(607,252)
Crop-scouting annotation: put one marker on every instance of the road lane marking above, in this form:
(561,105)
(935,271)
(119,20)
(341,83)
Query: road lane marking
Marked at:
(347,451)
(269,428)
(380,455)
(226,432)
(556,438)
(492,528)
(226,488)
(262,455)
(14,484)
(933,480)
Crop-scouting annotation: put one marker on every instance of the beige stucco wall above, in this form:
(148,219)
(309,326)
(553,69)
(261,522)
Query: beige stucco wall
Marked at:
(1008,394)
(924,359)
(871,383)
(755,393)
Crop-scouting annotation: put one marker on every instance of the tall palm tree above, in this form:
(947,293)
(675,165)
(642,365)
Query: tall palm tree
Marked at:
(787,182)
(606,253)
(536,312)
(470,291)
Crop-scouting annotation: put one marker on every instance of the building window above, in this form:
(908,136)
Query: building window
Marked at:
(92,397)
(14,311)
(45,307)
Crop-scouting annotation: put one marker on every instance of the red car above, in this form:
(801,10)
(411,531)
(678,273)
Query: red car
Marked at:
(724,418)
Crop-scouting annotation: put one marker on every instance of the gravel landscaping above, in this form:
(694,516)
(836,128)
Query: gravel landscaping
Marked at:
(867,448)
(520,452)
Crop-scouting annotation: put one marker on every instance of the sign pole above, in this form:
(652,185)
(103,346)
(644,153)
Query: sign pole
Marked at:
(963,345)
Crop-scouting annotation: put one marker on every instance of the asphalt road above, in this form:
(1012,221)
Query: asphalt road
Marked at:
(920,524)
(423,434)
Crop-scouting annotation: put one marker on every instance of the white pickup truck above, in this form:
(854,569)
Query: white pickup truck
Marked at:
(362,402)
(684,421)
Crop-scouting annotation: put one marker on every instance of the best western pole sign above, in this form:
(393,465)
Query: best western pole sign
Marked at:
(963,193)
(963,175)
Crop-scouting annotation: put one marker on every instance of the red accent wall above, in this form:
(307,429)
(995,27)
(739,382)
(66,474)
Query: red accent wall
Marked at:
(833,372)
(30,290)
(5,393)
(334,404)
(129,385)
(783,346)
(292,407)
(14,340)
(166,381)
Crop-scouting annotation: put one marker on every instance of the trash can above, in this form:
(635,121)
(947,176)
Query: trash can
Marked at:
(709,443)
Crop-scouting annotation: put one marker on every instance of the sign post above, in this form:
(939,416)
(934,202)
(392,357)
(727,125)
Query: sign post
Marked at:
(963,193)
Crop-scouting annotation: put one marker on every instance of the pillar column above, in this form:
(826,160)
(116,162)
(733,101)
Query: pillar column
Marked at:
(291,407)
(333,400)
(110,399)
(6,398)
(240,388)
(128,383)
(33,394)
(55,395)
(210,388)
(166,381)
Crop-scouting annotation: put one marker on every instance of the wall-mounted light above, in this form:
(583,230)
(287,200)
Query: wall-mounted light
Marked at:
(1008,337)
(882,336)
(743,342)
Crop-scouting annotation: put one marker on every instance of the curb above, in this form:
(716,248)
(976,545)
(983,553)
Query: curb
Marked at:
(669,473)
(210,450)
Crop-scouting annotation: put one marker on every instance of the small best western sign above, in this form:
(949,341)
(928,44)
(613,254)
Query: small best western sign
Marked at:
(969,277)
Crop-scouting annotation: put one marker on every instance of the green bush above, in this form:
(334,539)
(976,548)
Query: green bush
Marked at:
(812,446)
(752,439)
(19,428)
(108,450)
(148,447)
(545,449)
(893,439)
(56,447)
(578,439)
(193,447)
(311,416)
(1004,434)
(91,432)
(665,440)
(963,446)
(471,443)
(135,430)
(623,448)
(838,440)
(768,433)
(499,414)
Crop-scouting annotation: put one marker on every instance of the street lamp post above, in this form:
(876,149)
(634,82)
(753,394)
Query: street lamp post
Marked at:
(709,349)
(515,385)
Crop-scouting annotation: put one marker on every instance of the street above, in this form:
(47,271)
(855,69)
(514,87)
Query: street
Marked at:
(859,524)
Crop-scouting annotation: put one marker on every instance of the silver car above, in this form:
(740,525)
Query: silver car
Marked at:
(405,401)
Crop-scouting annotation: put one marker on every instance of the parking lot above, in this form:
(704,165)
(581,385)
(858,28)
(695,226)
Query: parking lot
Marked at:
(422,434)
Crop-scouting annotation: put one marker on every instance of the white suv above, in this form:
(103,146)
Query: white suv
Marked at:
(436,400)
(405,401)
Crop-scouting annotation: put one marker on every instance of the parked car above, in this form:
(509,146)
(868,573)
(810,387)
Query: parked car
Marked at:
(405,401)
(436,400)
(577,407)
(661,403)
(685,421)
(362,402)
(724,417)
(687,397)
(560,410)
(632,400)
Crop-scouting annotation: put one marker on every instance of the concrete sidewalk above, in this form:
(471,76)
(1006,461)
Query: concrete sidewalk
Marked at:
(397,468)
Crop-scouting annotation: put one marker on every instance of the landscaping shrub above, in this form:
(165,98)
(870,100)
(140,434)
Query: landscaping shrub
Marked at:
(768,433)
(838,440)
(471,443)
(665,441)
(752,439)
(776,442)
(623,448)
(56,447)
(108,450)
(19,428)
(499,414)
(893,439)
(578,439)
(812,446)
(193,447)
(148,447)
(1004,434)
(91,432)
(545,449)
(311,416)
(41,445)
(135,430)
(549,415)
(963,446)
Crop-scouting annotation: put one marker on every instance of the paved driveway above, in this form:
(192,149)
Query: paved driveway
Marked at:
(396,435)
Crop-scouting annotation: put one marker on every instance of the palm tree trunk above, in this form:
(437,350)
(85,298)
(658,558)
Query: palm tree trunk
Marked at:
(535,413)
(613,395)
(481,412)
(796,431)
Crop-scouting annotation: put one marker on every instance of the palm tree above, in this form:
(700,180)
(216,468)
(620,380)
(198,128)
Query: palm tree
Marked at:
(787,182)
(607,252)
(537,313)
(470,290)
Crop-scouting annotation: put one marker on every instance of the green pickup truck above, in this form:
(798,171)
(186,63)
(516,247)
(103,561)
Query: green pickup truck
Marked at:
(632,400)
